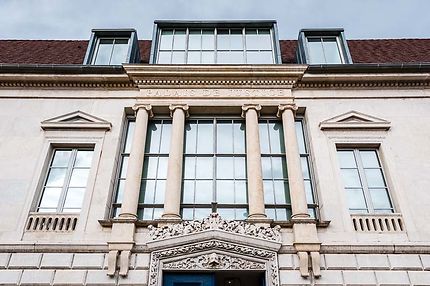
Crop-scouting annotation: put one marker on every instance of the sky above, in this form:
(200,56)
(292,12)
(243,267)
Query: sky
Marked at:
(74,19)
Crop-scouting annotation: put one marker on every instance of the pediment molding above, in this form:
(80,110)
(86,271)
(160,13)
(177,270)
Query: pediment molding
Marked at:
(76,120)
(354,120)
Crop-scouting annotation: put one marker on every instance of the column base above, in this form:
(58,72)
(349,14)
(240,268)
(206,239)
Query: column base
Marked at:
(168,219)
(259,220)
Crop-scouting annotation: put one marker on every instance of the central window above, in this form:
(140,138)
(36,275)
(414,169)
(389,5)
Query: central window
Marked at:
(214,176)
(215,43)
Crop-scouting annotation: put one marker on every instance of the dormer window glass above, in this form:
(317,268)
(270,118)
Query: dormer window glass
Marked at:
(111,51)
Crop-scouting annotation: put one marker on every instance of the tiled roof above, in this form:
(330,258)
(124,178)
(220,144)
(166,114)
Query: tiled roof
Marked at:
(73,52)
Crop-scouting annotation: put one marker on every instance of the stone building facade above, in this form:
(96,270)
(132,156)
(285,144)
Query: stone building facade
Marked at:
(111,177)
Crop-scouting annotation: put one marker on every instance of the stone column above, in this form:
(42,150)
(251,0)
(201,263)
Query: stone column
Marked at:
(299,205)
(172,197)
(306,240)
(253,162)
(135,163)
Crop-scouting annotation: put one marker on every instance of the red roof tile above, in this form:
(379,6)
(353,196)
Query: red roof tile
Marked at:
(73,52)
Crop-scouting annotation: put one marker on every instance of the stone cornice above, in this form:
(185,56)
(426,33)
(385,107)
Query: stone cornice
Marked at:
(215,75)
(363,80)
(20,80)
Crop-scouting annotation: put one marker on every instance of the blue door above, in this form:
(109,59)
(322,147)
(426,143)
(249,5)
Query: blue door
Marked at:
(183,279)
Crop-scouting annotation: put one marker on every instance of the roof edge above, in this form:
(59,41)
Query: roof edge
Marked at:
(61,69)
(370,68)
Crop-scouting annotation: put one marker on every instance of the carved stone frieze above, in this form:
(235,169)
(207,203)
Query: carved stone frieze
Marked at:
(187,257)
(215,222)
(214,261)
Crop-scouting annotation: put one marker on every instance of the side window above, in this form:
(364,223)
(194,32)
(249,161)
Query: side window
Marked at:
(66,180)
(364,181)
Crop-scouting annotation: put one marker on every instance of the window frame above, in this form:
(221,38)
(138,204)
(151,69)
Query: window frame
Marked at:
(190,25)
(370,209)
(303,54)
(133,53)
(68,175)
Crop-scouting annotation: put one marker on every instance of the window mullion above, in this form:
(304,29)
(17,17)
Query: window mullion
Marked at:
(67,179)
(363,180)
(111,50)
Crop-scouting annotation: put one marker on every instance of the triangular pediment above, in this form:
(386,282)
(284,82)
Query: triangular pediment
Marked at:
(76,120)
(355,120)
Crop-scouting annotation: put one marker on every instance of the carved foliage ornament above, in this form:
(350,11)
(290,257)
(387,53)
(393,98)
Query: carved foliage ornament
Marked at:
(215,222)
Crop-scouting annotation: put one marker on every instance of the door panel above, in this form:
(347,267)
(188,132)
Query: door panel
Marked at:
(182,279)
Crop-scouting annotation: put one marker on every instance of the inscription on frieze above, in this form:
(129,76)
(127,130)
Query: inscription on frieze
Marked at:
(216,92)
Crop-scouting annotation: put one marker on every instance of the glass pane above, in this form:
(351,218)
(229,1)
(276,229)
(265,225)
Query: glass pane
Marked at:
(166,40)
(255,57)
(224,137)
(147,214)
(103,52)
(193,57)
(252,39)
(309,192)
(50,198)
(165,136)
(331,51)
(233,57)
(79,178)
(61,158)
(305,168)
(208,42)
(204,168)
(240,192)
(160,189)
(264,137)
(264,39)
(346,159)
(189,167)
(147,192)
(205,142)
(194,40)
(276,137)
(374,178)
(316,54)
(351,178)
(241,213)
(153,137)
(120,191)
(279,168)
(223,41)
(83,159)
(271,213)
(190,137)
(356,199)
(227,214)
(47,210)
(236,40)
(150,167)
(164,57)
(120,50)
(74,198)
(240,167)
(203,192)
(179,40)
(369,159)
(300,137)
(239,137)
(129,138)
(282,195)
(266,167)
(188,192)
(158,212)
(56,177)
(281,214)
(201,213)
(187,214)
(225,168)
(208,58)
(269,197)
(225,192)
(380,199)
(162,167)
(178,57)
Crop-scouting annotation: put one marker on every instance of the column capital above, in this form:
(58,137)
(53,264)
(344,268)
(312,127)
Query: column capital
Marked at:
(184,107)
(246,107)
(289,106)
(147,107)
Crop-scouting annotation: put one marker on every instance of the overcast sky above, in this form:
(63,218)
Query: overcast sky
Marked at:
(74,19)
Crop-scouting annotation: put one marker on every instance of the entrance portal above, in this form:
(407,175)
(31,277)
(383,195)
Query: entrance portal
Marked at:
(219,278)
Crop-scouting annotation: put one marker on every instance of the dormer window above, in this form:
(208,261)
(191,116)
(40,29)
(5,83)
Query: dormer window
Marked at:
(323,47)
(215,43)
(112,47)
